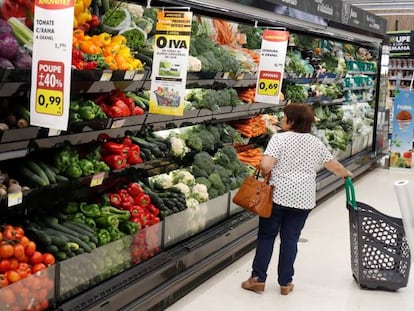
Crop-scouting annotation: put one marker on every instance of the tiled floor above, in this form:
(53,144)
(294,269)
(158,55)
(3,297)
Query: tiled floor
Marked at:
(323,274)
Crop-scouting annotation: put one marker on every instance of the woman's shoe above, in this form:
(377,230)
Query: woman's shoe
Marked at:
(253,284)
(285,290)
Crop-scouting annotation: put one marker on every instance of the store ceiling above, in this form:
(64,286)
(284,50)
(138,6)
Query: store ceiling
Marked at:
(383,5)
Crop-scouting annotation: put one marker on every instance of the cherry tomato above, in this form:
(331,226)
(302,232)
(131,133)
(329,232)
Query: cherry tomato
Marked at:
(6,250)
(48,259)
(14,264)
(24,241)
(13,276)
(38,267)
(19,252)
(3,281)
(30,248)
(36,258)
(5,265)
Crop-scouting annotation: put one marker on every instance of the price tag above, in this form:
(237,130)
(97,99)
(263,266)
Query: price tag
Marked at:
(54,132)
(269,83)
(118,123)
(106,75)
(129,74)
(14,198)
(97,179)
(49,88)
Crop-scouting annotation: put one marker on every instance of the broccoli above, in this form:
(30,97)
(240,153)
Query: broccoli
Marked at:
(231,152)
(208,140)
(229,134)
(216,133)
(215,64)
(222,159)
(194,141)
(203,181)
(212,193)
(217,183)
(199,171)
(205,65)
(203,162)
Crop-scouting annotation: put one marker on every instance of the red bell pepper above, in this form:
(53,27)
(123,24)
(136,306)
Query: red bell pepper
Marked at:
(95,21)
(115,199)
(153,209)
(115,161)
(134,189)
(126,198)
(130,103)
(127,141)
(143,199)
(115,95)
(138,111)
(122,107)
(110,147)
(134,156)
(136,211)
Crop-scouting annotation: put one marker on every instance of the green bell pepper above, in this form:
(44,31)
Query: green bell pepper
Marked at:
(94,153)
(73,171)
(90,223)
(71,208)
(62,159)
(103,237)
(87,113)
(107,221)
(90,210)
(74,106)
(74,116)
(129,227)
(122,215)
(87,167)
(100,166)
(115,233)
(79,217)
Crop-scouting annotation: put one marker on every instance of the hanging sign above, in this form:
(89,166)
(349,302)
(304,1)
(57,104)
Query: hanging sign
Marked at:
(170,62)
(51,63)
(401,43)
(402,130)
(271,66)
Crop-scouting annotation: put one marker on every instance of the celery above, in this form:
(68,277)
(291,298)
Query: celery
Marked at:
(23,34)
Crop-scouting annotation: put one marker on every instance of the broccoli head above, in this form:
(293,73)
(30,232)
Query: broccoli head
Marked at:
(203,161)
(217,183)
(215,132)
(199,171)
(212,193)
(208,140)
(222,159)
(231,152)
(194,141)
(203,181)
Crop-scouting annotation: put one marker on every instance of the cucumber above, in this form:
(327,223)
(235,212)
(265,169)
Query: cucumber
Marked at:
(91,236)
(54,225)
(49,173)
(37,169)
(42,236)
(83,226)
(52,249)
(59,241)
(61,178)
(78,241)
(32,177)
(60,255)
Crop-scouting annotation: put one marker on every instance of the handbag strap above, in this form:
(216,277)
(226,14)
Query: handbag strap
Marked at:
(257,175)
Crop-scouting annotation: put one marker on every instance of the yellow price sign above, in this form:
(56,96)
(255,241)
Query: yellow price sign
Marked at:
(269,83)
(97,179)
(49,102)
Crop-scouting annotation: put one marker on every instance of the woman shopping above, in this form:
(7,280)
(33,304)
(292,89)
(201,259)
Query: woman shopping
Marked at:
(291,157)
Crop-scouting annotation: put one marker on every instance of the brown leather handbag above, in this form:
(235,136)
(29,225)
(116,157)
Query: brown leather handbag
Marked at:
(255,195)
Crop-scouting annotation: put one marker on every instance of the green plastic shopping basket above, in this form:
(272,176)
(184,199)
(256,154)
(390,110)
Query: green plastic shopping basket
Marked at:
(380,256)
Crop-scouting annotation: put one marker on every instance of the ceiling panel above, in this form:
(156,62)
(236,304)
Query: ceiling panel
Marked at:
(382,5)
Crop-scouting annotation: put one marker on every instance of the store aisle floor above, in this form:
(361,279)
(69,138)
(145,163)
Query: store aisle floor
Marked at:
(323,280)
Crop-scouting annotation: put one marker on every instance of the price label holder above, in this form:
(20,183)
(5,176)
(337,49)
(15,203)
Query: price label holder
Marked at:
(97,179)
(14,198)
(106,75)
(117,123)
(269,83)
(54,132)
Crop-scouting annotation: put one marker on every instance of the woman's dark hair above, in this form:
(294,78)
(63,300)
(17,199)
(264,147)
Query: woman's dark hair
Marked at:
(300,116)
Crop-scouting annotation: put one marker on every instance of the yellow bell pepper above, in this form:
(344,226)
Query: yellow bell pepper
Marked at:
(105,38)
(84,17)
(79,7)
(87,3)
(119,39)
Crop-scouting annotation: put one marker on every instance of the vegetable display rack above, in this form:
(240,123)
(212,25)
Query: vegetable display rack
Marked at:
(380,256)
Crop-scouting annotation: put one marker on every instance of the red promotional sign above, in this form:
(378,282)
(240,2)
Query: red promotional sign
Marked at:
(54,4)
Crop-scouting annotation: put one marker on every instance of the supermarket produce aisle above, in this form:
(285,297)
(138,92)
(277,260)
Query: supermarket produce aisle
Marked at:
(323,279)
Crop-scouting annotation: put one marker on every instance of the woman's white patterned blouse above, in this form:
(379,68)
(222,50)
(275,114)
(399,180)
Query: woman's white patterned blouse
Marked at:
(294,175)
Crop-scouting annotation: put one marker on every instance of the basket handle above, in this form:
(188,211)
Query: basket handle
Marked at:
(350,193)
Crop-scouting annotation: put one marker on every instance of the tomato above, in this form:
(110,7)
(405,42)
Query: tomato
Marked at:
(19,232)
(36,258)
(3,281)
(48,259)
(13,276)
(24,270)
(10,233)
(5,265)
(6,250)
(14,264)
(19,252)
(1,236)
(44,304)
(24,241)
(25,259)
(38,267)
(30,248)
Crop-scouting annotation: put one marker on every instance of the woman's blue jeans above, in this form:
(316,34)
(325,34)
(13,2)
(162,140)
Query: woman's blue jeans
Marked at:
(289,222)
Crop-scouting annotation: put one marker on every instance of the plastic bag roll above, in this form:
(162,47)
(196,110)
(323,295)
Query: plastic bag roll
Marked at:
(406,202)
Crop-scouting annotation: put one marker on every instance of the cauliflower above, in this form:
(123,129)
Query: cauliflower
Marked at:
(178,147)
(183,188)
(162,181)
(183,176)
(194,64)
(191,203)
(199,192)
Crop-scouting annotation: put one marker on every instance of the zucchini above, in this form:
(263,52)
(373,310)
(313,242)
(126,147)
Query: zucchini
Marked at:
(32,165)
(74,226)
(81,225)
(49,173)
(54,225)
(42,236)
(137,100)
(32,177)
(61,178)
